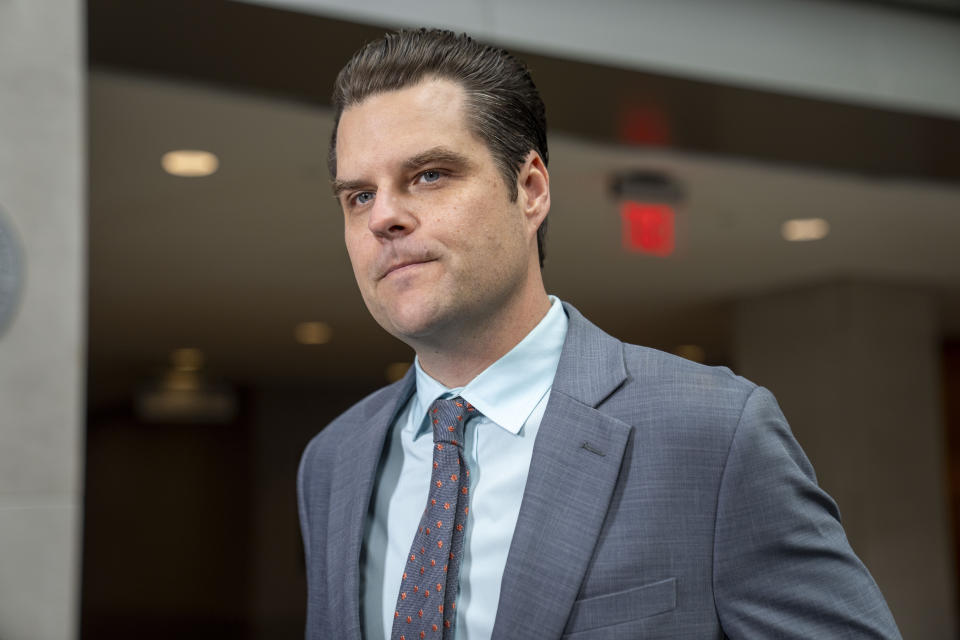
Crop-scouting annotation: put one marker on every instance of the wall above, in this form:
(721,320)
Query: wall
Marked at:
(855,367)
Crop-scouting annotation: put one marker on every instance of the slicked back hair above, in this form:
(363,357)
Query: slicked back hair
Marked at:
(503,106)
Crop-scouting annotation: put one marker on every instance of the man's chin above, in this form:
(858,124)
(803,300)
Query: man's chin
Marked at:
(412,323)
(409,330)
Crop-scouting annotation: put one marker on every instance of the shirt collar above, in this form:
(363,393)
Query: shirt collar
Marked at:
(508,390)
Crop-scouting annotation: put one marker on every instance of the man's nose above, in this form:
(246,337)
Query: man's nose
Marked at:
(391,216)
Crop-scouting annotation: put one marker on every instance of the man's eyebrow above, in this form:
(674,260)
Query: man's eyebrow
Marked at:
(436,155)
(339,186)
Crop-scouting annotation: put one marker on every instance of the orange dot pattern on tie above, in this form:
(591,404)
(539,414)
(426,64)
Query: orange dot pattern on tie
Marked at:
(429,588)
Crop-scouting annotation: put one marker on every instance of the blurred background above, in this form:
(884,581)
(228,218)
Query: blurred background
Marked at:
(772,186)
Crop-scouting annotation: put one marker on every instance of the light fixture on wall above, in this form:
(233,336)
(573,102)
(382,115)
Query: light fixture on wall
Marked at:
(184,394)
(190,163)
(649,202)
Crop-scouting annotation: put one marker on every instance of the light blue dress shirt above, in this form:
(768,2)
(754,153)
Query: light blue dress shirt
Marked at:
(512,395)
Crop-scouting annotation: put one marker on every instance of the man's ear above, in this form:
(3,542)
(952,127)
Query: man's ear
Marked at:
(533,190)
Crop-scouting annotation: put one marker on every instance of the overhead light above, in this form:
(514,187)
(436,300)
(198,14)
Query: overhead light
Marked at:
(187,359)
(313,333)
(804,229)
(190,163)
(184,395)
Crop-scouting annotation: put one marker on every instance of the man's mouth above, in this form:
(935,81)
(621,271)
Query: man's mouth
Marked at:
(404,265)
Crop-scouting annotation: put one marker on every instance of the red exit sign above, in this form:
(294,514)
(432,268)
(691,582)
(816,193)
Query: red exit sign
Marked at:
(648,228)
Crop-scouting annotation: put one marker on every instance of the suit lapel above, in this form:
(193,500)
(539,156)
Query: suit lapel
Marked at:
(351,489)
(574,469)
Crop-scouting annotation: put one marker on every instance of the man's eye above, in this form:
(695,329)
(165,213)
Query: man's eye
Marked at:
(430,176)
(363,197)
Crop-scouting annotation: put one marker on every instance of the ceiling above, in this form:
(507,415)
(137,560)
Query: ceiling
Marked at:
(231,263)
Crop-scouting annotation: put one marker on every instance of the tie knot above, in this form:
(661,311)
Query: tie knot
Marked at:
(448,416)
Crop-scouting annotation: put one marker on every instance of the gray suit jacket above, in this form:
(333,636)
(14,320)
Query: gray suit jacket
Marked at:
(665,500)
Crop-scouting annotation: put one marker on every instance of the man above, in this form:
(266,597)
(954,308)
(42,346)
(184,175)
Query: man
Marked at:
(532,477)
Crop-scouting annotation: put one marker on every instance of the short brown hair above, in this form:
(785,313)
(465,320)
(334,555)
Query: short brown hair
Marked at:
(504,108)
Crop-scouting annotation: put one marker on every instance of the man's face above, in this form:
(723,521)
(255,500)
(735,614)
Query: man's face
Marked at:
(437,247)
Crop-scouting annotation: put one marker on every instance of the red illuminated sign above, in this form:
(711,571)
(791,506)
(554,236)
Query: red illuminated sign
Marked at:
(648,228)
(644,125)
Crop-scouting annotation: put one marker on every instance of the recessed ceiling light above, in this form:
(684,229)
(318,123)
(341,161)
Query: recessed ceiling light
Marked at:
(804,229)
(396,370)
(313,333)
(691,352)
(190,163)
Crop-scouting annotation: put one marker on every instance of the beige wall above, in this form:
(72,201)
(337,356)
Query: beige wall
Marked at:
(855,368)
(41,354)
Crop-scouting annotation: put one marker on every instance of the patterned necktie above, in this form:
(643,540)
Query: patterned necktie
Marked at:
(426,605)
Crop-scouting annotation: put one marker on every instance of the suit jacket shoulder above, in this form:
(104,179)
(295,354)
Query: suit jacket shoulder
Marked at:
(360,413)
(322,450)
(715,526)
(334,484)
(683,387)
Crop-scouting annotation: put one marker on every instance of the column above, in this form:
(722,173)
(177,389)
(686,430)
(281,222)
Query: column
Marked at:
(41,352)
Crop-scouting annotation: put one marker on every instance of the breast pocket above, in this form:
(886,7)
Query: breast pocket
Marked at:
(623,606)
